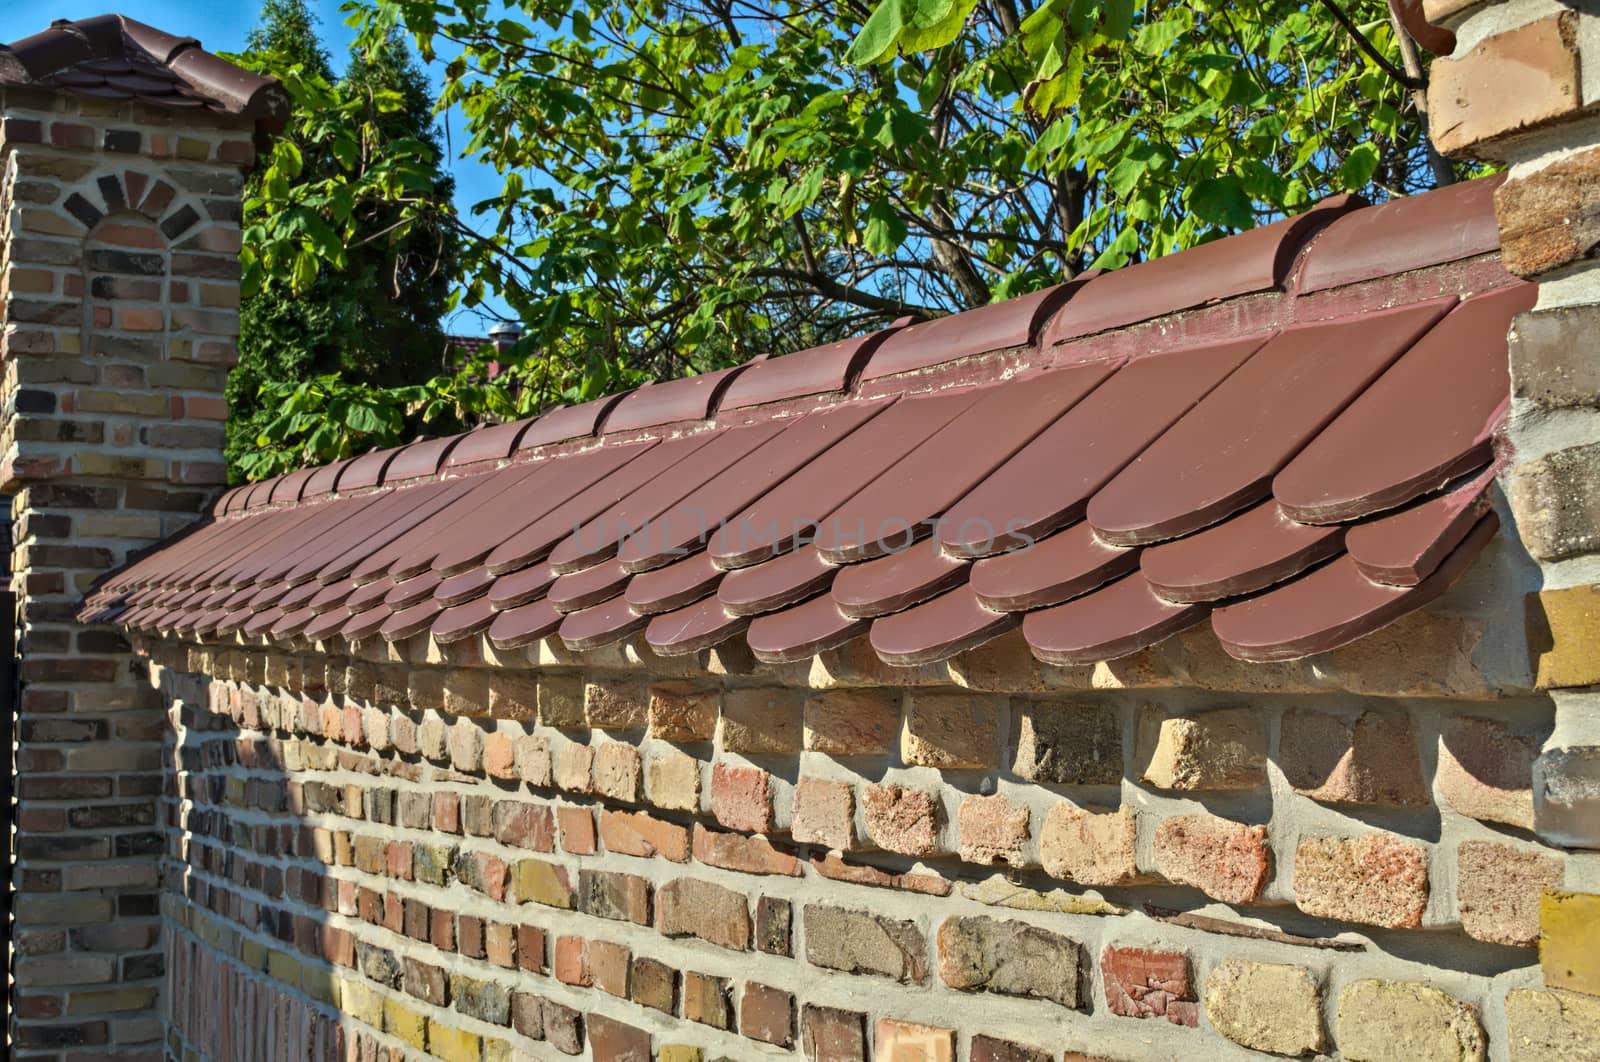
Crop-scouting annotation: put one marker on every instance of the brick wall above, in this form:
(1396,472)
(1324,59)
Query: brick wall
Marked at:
(408,849)
(119,235)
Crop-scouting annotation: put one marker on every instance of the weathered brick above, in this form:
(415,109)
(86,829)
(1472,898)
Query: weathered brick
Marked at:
(1090,846)
(767,1014)
(560,701)
(641,834)
(483,1000)
(1395,1021)
(1266,1006)
(533,763)
(686,907)
(706,1000)
(1548,365)
(577,830)
(614,1041)
(949,730)
(824,813)
(1556,497)
(1498,888)
(537,881)
(1224,748)
(524,825)
(1012,958)
(1069,744)
(1552,1026)
(1228,861)
(851,722)
(1563,626)
(748,855)
(858,942)
(901,820)
(1144,983)
(760,721)
(990,1049)
(741,798)
(904,1041)
(672,780)
(773,917)
(653,984)
(993,830)
(1509,83)
(683,712)
(828,1034)
(616,704)
(1485,771)
(610,966)
(1371,759)
(617,771)
(1377,879)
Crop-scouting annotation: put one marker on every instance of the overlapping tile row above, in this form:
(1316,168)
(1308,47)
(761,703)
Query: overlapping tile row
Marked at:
(110,57)
(1296,487)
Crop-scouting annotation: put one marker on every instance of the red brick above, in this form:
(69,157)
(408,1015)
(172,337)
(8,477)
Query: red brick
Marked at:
(749,855)
(1143,983)
(577,830)
(523,825)
(572,961)
(1510,82)
(741,798)
(530,948)
(833,867)
(831,1035)
(767,1014)
(499,756)
(612,1041)
(638,833)
(608,965)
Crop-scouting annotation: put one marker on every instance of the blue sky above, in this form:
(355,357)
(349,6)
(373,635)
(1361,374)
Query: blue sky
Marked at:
(221,27)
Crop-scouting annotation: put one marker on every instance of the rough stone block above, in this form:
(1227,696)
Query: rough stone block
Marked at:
(851,722)
(686,907)
(1485,771)
(1228,861)
(1498,888)
(1266,1006)
(616,704)
(1378,879)
(1224,748)
(993,830)
(617,771)
(1368,760)
(1396,1021)
(1511,82)
(1090,846)
(1556,499)
(1068,744)
(1144,983)
(560,701)
(949,730)
(1011,958)
(902,820)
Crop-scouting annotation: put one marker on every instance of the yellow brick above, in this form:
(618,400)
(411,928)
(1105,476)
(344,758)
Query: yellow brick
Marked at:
(1564,637)
(281,966)
(117,999)
(319,984)
(400,1020)
(454,1045)
(681,1053)
(499,1050)
(1569,940)
(361,1003)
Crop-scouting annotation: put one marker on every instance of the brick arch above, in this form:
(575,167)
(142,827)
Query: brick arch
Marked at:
(111,192)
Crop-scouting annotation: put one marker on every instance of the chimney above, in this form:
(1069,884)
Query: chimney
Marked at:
(122,158)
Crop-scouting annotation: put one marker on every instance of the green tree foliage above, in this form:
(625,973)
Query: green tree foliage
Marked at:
(690,182)
(366,286)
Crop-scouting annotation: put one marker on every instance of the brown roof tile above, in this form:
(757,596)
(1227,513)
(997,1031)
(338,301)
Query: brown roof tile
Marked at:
(1102,496)
(116,58)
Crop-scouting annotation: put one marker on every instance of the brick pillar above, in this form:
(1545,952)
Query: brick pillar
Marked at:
(119,239)
(1520,88)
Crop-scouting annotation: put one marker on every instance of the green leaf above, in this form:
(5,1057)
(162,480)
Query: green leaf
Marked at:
(935,24)
(1222,201)
(878,34)
(885,231)
(1359,166)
